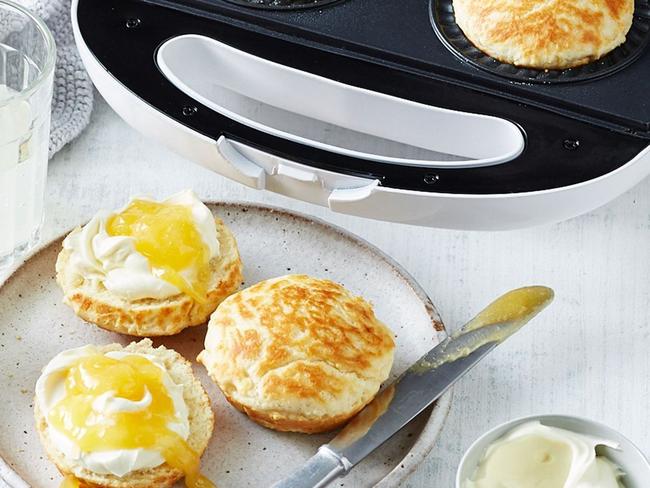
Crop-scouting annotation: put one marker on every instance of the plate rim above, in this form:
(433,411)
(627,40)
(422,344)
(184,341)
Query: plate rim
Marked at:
(428,436)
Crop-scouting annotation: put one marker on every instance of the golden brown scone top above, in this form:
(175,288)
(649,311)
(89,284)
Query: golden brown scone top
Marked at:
(298,346)
(545,34)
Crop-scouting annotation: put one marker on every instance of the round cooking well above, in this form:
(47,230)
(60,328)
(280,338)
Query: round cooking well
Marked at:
(451,35)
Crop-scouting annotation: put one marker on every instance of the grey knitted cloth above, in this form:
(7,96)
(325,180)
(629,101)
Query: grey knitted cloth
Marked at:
(72,98)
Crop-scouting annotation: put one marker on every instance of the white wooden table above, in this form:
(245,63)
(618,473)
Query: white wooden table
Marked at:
(587,355)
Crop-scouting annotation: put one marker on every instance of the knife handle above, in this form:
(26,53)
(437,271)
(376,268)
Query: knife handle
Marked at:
(319,471)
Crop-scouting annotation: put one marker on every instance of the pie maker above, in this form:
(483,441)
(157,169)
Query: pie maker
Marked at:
(375,108)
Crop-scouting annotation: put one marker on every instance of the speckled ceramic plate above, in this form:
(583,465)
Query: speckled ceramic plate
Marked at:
(35,325)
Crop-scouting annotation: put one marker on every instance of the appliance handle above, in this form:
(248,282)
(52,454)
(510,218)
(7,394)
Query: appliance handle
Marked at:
(336,117)
(546,140)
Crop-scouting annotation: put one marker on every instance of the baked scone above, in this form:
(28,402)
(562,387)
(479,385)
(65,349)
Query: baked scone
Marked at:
(124,283)
(553,34)
(137,465)
(297,353)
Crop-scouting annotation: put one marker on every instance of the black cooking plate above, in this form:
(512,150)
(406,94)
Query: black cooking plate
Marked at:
(401,32)
(574,131)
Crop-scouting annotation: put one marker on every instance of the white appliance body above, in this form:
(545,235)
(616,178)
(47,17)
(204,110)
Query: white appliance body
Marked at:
(496,141)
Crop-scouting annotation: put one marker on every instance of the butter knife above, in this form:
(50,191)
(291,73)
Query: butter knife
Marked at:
(419,387)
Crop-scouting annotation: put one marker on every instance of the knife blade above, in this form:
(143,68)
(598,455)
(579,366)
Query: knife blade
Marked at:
(419,386)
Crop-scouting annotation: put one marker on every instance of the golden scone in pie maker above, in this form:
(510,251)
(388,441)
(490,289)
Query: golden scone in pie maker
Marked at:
(374,108)
(451,35)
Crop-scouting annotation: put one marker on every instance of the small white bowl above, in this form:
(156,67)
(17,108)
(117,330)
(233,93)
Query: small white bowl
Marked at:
(631,460)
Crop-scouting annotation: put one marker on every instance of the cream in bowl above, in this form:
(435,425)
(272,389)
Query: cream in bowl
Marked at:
(552,452)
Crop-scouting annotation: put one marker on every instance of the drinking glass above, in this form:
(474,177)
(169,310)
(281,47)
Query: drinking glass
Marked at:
(27,56)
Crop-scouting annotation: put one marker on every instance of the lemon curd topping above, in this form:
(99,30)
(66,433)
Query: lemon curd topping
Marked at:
(80,417)
(70,482)
(167,236)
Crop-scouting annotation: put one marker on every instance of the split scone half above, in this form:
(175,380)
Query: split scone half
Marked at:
(150,269)
(553,34)
(297,353)
(114,417)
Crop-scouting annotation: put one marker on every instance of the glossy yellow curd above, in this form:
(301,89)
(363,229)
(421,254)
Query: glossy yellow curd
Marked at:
(133,378)
(167,236)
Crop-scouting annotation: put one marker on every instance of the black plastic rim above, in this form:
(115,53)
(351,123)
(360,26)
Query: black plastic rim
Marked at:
(444,24)
(283,4)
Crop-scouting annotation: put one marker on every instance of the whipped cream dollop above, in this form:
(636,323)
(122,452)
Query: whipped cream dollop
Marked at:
(538,456)
(115,262)
(50,389)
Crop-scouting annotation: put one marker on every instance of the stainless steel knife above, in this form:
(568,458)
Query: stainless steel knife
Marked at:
(419,386)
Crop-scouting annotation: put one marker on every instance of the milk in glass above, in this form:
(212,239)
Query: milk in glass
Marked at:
(23,166)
